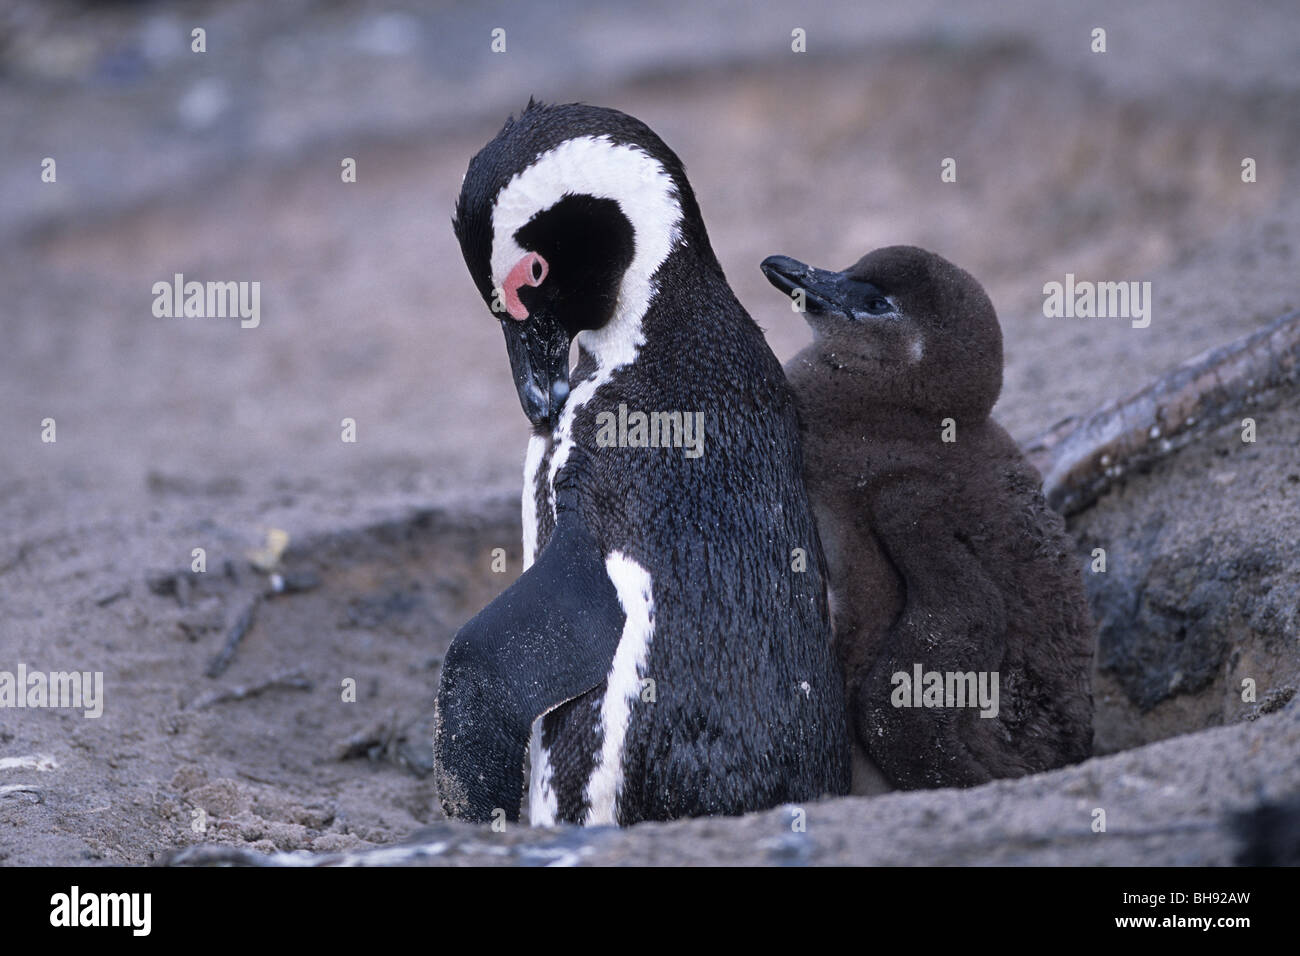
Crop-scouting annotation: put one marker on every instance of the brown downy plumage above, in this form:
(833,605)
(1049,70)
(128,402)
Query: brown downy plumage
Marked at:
(941,553)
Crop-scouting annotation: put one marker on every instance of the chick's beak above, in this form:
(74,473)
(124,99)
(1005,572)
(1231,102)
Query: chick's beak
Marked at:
(817,289)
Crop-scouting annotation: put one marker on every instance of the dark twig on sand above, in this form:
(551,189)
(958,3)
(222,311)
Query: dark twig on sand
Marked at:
(292,680)
(105,598)
(233,636)
(1080,461)
(171,583)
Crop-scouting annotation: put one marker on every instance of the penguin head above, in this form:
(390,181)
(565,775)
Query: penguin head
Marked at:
(564,219)
(916,330)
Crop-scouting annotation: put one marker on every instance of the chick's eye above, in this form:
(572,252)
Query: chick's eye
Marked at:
(879,305)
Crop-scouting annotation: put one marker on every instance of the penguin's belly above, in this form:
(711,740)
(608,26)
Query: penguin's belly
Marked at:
(579,749)
(576,752)
(538,522)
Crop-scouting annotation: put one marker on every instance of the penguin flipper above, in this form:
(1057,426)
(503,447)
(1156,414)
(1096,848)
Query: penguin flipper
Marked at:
(954,620)
(548,638)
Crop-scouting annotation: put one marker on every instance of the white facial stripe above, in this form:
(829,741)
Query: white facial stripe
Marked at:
(623,687)
(595,166)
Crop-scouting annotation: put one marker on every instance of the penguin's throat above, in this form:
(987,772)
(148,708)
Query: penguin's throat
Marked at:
(618,341)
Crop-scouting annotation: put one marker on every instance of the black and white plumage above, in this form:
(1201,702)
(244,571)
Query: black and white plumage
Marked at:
(940,553)
(643,564)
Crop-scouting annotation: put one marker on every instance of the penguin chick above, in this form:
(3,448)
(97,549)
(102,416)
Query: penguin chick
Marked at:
(943,556)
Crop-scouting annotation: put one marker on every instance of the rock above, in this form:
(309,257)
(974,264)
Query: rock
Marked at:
(1201,592)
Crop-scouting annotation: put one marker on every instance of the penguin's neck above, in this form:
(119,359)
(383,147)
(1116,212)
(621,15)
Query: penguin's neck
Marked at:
(643,322)
(687,305)
(840,403)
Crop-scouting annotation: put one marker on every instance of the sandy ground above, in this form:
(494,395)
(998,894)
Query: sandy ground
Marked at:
(177,434)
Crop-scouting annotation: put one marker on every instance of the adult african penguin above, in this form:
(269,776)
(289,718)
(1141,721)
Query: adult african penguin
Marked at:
(668,646)
(942,554)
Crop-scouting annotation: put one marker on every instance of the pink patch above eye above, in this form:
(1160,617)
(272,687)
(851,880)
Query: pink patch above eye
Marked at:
(530,270)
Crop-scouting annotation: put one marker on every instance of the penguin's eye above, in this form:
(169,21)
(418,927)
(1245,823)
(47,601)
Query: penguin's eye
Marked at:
(879,305)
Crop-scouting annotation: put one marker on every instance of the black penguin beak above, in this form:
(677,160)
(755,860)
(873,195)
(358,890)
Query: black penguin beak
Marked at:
(821,290)
(539,358)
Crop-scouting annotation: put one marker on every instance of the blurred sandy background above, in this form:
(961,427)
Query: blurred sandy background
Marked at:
(225,165)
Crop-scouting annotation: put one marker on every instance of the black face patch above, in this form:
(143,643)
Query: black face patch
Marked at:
(588,243)
(541,128)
